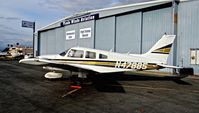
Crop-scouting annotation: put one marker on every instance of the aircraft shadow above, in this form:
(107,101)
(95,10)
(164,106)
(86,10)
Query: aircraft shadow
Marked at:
(107,82)
(110,82)
(131,77)
(181,82)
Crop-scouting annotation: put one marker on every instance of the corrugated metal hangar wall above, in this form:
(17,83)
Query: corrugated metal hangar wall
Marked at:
(135,31)
(188,35)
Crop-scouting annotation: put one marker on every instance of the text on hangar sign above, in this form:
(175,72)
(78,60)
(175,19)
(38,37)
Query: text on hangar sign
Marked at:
(80,19)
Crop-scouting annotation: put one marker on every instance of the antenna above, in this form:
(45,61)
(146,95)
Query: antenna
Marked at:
(111,50)
(129,52)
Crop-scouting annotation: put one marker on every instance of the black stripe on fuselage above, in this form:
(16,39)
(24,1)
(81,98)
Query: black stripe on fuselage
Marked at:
(80,60)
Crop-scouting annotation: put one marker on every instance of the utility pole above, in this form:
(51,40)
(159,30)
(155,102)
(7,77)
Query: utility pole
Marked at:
(33,49)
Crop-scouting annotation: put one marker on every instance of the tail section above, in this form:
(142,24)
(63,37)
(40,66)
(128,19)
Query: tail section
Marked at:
(160,51)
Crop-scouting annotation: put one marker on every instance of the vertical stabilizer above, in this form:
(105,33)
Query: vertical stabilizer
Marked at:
(160,51)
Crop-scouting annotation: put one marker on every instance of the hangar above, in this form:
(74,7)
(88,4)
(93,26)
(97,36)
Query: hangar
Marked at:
(129,28)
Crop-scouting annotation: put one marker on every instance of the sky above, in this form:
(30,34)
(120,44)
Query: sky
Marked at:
(43,12)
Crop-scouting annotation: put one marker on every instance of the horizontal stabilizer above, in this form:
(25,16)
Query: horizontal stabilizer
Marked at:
(169,66)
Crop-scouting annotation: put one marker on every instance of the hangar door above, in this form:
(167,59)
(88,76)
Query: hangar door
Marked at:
(59,40)
(47,42)
(43,45)
(105,33)
(155,24)
(128,33)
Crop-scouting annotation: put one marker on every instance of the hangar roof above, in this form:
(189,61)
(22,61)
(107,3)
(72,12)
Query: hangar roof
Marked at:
(111,11)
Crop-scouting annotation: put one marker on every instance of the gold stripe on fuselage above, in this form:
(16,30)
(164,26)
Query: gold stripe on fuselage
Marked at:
(105,63)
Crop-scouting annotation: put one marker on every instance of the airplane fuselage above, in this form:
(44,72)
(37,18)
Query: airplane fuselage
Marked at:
(113,60)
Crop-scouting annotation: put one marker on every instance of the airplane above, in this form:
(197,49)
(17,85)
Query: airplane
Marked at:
(12,52)
(85,60)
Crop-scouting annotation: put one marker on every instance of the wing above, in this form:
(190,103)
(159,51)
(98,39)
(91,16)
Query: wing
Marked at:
(71,66)
(32,61)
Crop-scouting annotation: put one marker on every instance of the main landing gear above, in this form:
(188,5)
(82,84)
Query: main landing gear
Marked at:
(77,80)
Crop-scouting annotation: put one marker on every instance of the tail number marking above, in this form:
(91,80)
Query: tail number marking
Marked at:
(130,65)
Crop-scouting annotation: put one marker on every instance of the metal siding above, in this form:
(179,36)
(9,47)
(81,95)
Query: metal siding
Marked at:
(86,42)
(188,26)
(72,42)
(131,7)
(43,44)
(51,42)
(128,33)
(60,40)
(155,24)
(105,33)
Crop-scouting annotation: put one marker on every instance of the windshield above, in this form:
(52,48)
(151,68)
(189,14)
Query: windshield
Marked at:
(63,53)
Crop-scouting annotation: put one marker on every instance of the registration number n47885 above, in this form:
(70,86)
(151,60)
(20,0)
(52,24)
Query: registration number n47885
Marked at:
(130,65)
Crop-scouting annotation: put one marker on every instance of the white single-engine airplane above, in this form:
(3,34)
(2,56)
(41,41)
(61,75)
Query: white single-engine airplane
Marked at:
(85,60)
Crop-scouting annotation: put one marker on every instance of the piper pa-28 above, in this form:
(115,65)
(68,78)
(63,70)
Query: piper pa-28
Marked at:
(86,60)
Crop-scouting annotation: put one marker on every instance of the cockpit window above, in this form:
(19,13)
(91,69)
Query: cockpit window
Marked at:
(102,56)
(91,55)
(63,53)
(76,53)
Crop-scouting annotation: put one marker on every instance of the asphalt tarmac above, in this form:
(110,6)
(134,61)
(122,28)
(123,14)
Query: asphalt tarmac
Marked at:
(23,89)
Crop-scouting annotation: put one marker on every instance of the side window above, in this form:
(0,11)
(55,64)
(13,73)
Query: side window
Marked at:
(91,55)
(76,53)
(102,56)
